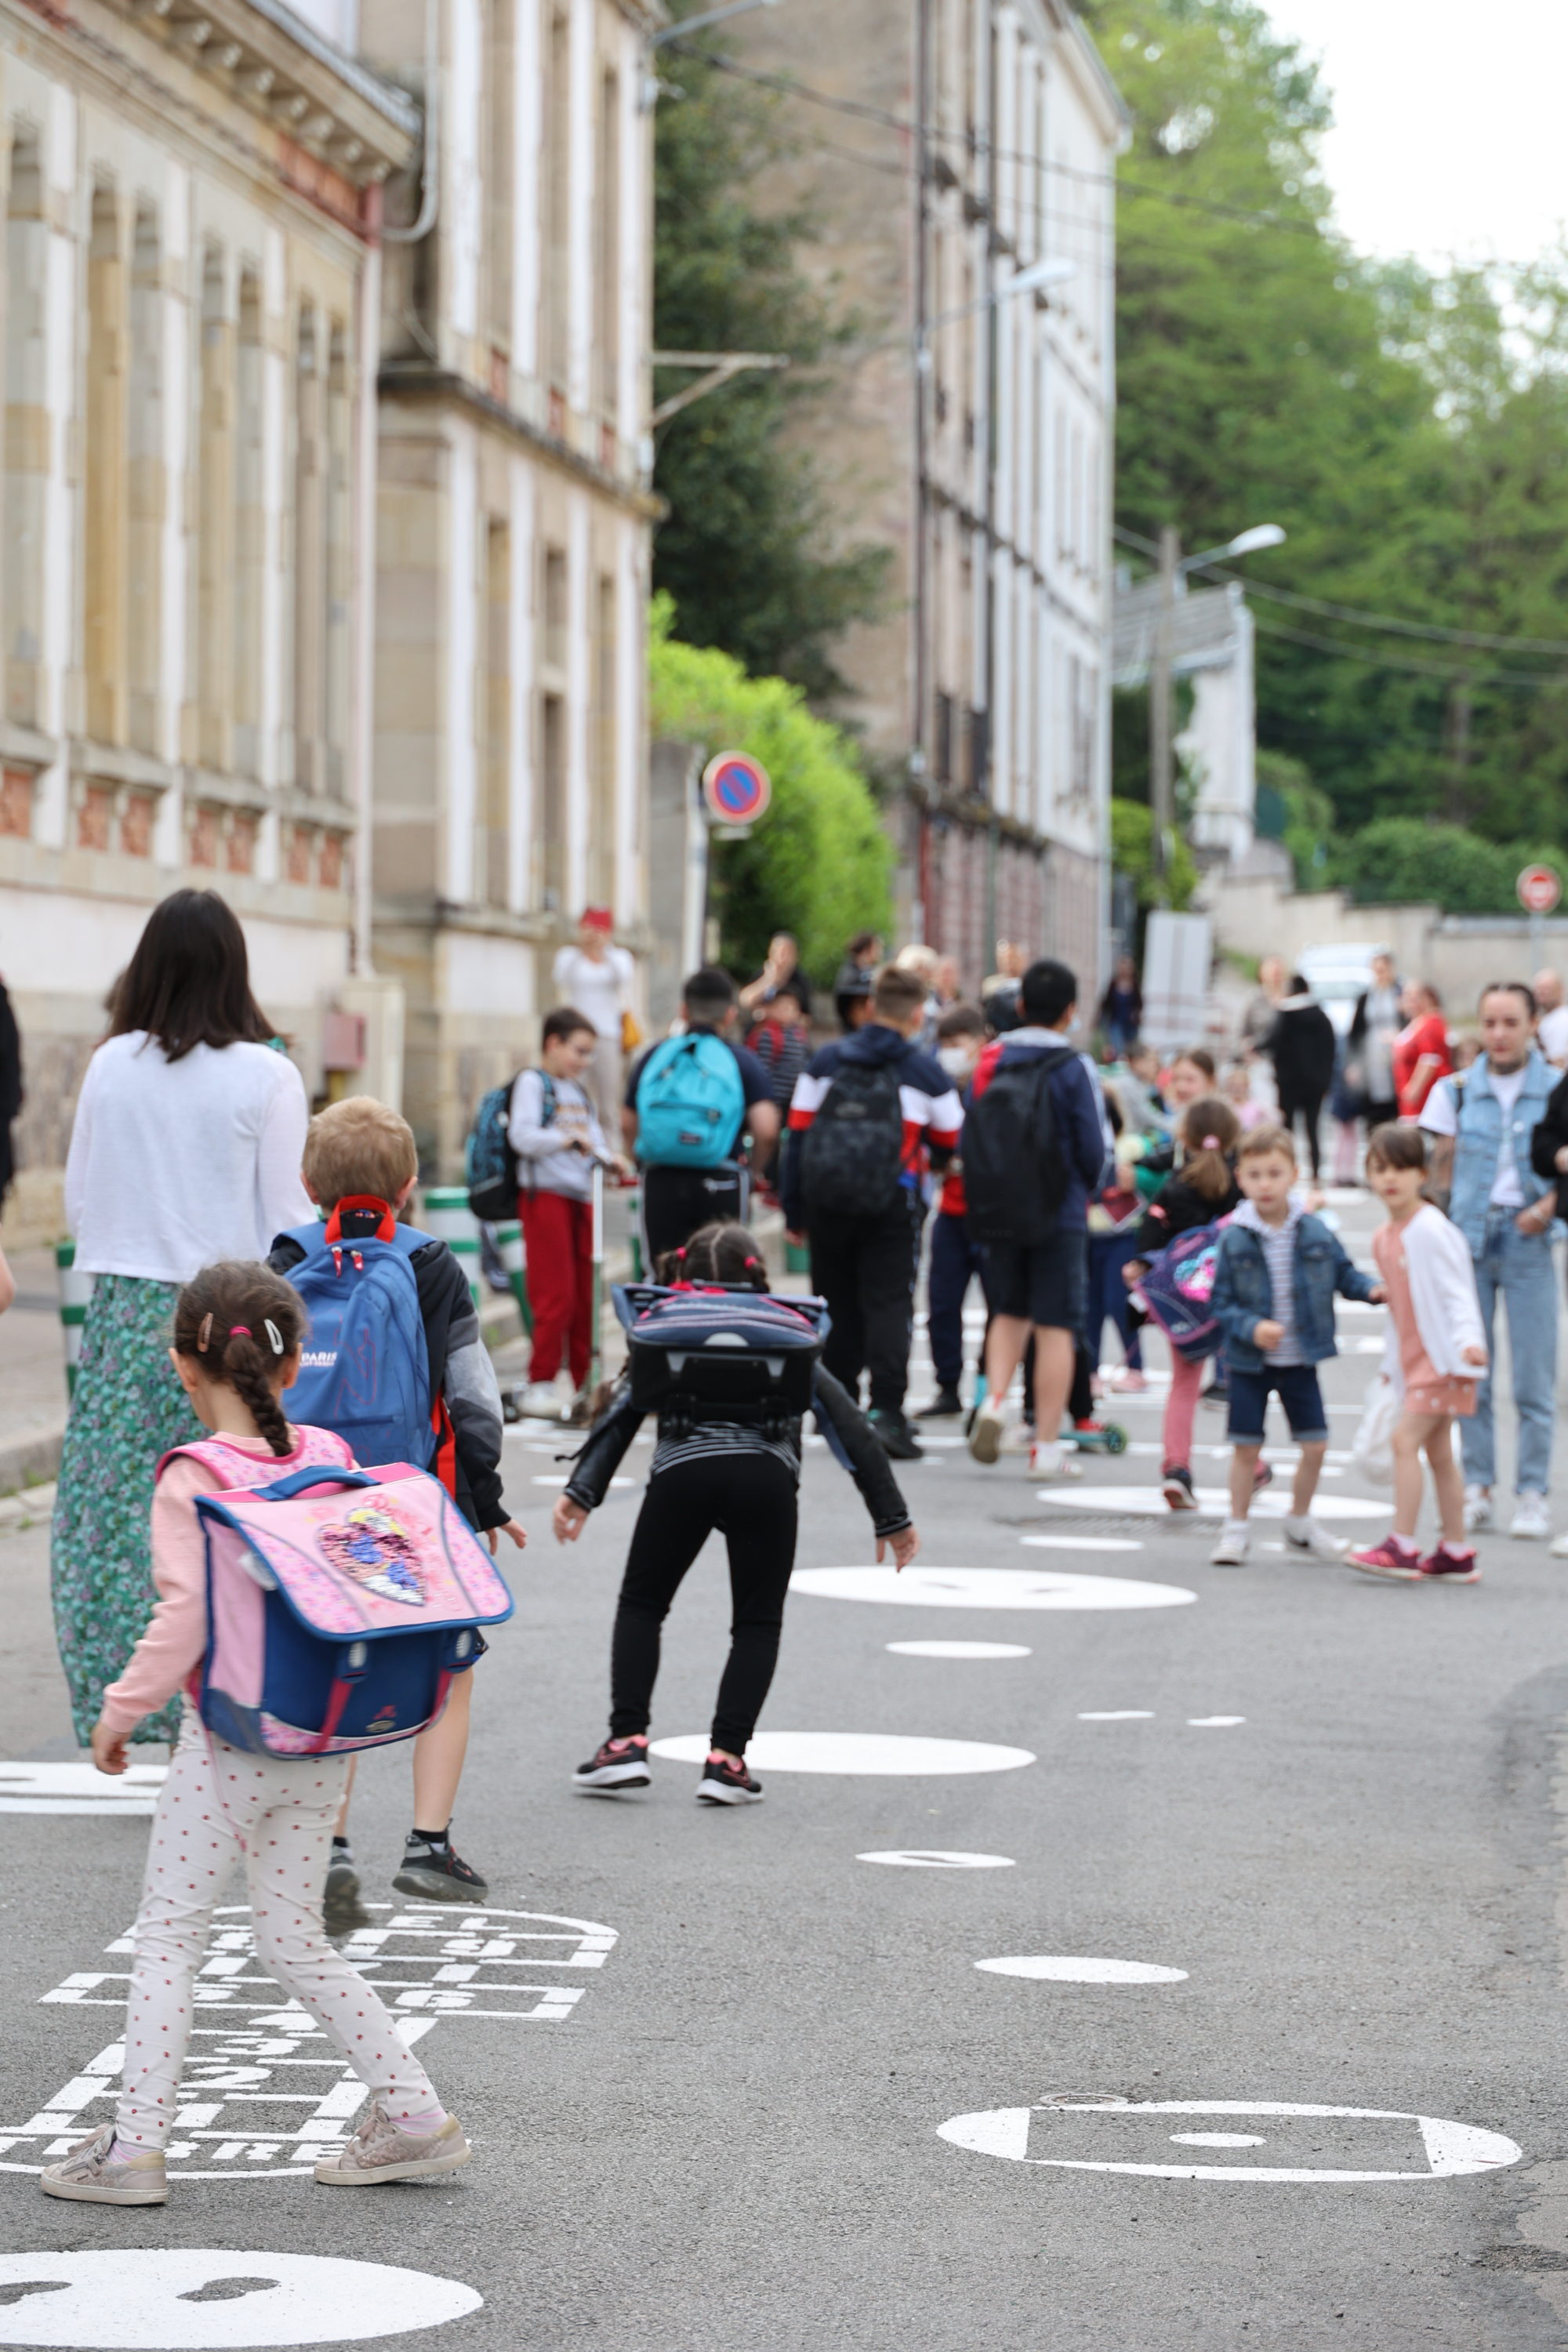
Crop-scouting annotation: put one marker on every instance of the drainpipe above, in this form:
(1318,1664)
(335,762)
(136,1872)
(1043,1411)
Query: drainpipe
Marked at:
(362,740)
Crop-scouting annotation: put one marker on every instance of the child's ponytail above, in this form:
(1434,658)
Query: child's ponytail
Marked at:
(238,1321)
(1210,1129)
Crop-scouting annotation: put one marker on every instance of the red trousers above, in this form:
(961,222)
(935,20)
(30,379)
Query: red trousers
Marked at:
(558,1243)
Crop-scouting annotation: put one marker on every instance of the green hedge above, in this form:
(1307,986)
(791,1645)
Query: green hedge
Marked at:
(1401,860)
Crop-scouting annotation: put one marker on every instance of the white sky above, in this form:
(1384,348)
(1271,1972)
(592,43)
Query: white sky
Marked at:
(1448,135)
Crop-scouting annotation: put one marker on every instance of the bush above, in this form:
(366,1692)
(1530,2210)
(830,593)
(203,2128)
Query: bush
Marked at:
(1132,854)
(818,864)
(1399,860)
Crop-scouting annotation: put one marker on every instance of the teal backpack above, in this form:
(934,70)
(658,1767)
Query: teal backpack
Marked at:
(690,1103)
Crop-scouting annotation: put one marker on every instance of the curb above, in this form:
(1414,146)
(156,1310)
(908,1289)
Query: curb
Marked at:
(33,1460)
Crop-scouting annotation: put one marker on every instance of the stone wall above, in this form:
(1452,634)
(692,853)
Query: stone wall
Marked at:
(1458,953)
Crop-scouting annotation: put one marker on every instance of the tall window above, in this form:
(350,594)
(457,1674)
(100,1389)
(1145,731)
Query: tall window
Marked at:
(103,595)
(602,827)
(310,570)
(27,427)
(557,201)
(214,564)
(336,551)
(496,782)
(552,810)
(249,531)
(500,176)
(607,250)
(146,483)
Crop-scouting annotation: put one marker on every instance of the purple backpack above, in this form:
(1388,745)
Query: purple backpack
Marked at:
(1178,1291)
(340,1602)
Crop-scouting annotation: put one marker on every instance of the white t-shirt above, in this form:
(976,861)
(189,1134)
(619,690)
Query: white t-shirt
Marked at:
(1440,1117)
(1551,1036)
(172,1164)
(597,990)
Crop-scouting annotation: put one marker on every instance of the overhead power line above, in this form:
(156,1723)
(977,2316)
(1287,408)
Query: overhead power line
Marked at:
(1369,660)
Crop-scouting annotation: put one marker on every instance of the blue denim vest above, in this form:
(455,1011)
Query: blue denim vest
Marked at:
(1479,1139)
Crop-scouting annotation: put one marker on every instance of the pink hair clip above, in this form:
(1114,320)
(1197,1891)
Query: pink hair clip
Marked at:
(1211,1144)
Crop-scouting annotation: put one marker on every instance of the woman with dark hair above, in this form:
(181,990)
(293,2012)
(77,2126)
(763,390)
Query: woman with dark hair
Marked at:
(186,1148)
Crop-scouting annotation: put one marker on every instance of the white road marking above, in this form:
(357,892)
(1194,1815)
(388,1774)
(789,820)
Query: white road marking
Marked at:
(79,1789)
(1213,1722)
(1082,1543)
(1121,1714)
(128,2296)
(987,1587)
(960,1649)
(1452,2148)
(1214,1502)
(1057,1970)
(1216,2139)
(935,1858)
(562,1480)
(855,1752)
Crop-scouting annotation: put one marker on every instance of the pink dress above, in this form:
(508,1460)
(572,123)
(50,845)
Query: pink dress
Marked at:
(1425,1388)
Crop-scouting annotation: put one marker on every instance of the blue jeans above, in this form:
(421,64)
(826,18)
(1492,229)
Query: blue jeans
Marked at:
(1520,1266)
(954,1262)
(1108,1254)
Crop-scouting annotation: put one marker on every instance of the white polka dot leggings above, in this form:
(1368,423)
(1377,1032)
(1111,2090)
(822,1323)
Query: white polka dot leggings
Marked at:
(215,1805)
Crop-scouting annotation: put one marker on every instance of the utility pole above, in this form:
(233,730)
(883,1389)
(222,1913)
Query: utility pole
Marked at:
(1161,713)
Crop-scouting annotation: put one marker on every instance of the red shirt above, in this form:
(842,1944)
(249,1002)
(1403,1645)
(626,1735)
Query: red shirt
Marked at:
(1428,1035)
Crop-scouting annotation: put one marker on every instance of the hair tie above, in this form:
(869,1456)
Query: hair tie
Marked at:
(204,1336)
(1210,1143)
(274,1335)
(239,1331)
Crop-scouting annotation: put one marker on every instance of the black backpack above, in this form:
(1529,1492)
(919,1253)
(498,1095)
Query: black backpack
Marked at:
(852,1154)
(1015,1177)
(709,1354)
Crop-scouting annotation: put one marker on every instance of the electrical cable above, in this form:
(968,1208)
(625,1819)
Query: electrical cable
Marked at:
(1475,678)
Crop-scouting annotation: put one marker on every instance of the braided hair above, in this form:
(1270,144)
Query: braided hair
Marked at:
(717,1253)
(238,1320)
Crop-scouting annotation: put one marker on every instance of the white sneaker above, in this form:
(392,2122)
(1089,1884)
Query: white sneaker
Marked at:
(1529,1520)
(1478,1506)
(1560,1549)
(1310,1535)
(540,1400)
(1046,1461)
(1232,1548)
(985,1437)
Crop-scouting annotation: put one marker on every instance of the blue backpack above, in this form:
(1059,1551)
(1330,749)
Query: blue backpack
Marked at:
(364,1372)
(690,1102)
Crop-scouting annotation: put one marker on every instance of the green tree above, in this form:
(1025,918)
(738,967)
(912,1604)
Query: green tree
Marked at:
(1132,852)
(818,864)
(750,549)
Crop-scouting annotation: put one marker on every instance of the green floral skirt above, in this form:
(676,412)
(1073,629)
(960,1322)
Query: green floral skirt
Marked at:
(127,1412)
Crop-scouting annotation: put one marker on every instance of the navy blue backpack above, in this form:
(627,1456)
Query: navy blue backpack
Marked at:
(364,1370)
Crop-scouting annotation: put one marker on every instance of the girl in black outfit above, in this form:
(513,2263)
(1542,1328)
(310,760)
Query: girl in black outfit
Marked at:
(1205,1189)
(731,1476)
(1303,1048)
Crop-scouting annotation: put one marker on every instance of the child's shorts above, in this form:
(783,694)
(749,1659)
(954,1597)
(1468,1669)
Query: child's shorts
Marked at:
(1295,1385)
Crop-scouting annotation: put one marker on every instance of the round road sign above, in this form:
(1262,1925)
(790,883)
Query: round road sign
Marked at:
(1539,887)
(738,788)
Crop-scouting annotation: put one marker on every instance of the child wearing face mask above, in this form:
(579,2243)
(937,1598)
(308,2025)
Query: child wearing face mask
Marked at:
(954,1258)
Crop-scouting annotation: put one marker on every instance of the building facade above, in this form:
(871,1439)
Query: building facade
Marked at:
(191,322)
(513,529)
(973,437)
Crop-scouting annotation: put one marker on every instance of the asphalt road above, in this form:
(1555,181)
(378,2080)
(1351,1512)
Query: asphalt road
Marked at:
(731,2139)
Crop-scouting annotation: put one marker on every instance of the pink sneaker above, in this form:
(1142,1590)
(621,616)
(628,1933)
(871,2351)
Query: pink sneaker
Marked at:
(1128,1380)
(1393,1558)
(1452,1564)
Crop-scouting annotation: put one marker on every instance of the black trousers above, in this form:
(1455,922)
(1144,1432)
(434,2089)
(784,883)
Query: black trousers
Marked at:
(750,1497)
(675,1201)
(1310,1108)
(865,1267)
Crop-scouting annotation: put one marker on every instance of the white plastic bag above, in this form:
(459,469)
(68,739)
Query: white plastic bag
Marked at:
(1373,1451)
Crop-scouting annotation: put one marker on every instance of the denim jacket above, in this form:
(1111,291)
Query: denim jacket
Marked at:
(1243,1296)
(1479,1138)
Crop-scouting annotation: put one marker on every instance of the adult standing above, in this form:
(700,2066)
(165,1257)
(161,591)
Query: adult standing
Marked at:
(1263,1005)
(1421,1050)
(780,969)
(596,977)
(1122,1007)
(1483,1125)
(1369,1061)
(1302,1046)
(1552,1030)
(186,1148)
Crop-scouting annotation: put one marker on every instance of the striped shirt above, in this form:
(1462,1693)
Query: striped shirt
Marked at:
(1279,1245)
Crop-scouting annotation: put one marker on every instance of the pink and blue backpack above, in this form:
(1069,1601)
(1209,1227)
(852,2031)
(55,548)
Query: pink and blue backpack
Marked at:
(340,1602)
(1178,1291)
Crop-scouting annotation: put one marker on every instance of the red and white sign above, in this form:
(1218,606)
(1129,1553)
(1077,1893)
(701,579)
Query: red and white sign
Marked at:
(738,788)
(1539,887)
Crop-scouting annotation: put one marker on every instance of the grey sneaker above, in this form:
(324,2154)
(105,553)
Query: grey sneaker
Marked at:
(379,2151)
(986,1432)
(96,2172)
(1478,1506)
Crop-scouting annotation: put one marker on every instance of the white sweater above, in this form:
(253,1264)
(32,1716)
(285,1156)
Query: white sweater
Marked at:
(172,1164)
(1443,1294)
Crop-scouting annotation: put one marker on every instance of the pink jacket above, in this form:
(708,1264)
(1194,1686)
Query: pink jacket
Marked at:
(174,1643)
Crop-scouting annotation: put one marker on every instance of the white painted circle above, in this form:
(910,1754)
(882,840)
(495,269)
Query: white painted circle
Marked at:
(885,1753)
(931,1857)
(988,1587)
(1082,1971)
(1214,1722)
(960,1649)
(1216,2139)
(1081,1543)
(134,2297)
(1120,1715)
(1214,1502)
(1452,2148)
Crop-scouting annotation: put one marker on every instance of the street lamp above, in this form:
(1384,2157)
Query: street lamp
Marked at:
(1173,569)
(1024,281)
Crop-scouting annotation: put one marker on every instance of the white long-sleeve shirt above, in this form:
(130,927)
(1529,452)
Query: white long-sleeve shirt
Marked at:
(547,1161)
(172,1164)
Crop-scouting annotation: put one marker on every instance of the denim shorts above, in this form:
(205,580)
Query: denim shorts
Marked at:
(1295,1385)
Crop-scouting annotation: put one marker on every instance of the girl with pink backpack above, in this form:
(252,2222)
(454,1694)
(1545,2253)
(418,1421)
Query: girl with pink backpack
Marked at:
(238,1334)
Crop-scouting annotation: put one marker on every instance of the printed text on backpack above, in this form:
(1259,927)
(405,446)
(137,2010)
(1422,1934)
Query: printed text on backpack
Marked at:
(365,1370)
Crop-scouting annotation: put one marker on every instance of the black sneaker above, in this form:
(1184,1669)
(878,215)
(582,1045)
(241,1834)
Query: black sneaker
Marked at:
(894,1435)
(438,1873)
(946,1405)
(1216,1394)
(619,1764)
(1177,1487)
(724,1783)
(342,1910)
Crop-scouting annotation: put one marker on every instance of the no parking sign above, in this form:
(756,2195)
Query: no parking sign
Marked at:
(737,788)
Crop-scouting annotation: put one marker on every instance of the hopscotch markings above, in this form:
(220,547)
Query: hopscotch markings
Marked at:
(461,1970)
(1450,2149)
(988,1587)
(190,2298)
(79,1789)
(927,1857)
